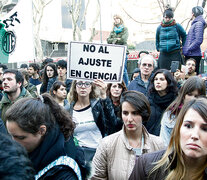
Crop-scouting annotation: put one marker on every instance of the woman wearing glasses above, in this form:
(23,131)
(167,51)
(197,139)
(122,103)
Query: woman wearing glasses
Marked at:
(90,114)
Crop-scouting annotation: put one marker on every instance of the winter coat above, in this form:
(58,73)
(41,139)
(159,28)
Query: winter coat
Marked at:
(168,38)
(6,103)
(103,114)
(145,163)
(158,104)
(51,148)
(115,158)
(167,125)
(32,89)
(122,35)
(138,85)
(194,37)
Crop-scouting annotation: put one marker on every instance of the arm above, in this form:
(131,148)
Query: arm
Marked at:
(111,38)
(165,132)
(99,163)
(123,38)
(198,30)
(158,38)
(182,34)
(108,110)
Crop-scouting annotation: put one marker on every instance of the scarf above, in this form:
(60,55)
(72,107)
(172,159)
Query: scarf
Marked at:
(163,101)
(119,29)
(167,24)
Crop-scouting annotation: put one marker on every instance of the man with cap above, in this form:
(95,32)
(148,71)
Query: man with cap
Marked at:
(194,38)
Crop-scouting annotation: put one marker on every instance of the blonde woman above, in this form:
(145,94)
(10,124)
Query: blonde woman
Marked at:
(186,155)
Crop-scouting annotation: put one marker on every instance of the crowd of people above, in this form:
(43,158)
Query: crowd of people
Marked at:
(151,127)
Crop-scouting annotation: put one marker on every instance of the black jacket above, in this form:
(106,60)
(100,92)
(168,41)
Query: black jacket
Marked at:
(145,163)
(52,147)
(158,105)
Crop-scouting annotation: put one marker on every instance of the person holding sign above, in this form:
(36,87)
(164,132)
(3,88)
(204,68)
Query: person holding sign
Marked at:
(119,35)
(91,115)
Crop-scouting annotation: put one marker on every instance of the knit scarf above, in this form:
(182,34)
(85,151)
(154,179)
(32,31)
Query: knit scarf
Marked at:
(119,29)
(166,24)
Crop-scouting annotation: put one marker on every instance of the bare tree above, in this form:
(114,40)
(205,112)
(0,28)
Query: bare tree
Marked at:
(38,10)
(2,4)
(74,9)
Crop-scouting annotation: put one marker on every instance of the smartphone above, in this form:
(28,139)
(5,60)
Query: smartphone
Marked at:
(174,66)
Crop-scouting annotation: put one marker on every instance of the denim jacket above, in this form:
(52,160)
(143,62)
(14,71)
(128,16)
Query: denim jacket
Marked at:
(167,125)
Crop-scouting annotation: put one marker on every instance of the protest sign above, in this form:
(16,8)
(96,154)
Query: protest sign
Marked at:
(89,61)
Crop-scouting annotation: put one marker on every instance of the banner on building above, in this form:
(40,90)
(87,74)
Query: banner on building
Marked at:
(16,34)
(89,61)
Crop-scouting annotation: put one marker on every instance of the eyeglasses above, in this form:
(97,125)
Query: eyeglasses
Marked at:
(148,65)
(86,84)
(190,64)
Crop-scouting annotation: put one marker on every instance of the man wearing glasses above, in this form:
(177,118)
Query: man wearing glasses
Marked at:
(146,64)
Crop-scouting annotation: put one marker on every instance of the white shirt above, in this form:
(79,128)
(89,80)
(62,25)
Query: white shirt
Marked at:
(86,132)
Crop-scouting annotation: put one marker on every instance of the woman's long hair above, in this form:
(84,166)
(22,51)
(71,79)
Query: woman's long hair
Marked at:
(31,113)
(108,90)
(73,95)
(176,166)
(171,83)
(192,84)
(45,77)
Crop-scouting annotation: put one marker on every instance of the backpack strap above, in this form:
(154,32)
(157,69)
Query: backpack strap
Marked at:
(62,160)
(177,29)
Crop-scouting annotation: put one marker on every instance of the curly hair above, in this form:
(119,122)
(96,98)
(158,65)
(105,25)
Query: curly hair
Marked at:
(31,113)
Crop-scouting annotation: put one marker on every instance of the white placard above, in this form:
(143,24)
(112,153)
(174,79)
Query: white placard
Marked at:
(89,61)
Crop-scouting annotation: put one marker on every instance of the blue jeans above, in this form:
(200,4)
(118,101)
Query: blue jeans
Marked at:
(125,74)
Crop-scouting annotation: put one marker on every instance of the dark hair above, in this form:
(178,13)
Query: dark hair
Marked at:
(171,83)
(139,102)
(23,66)
(192,83)
(31,113)
(168,13)
(25,74)
(45,77)
(190,59)
(56,85)
(197,11)
(14,161)
(136,70)
(45,62)
(18,75)
(35,66)
(3,66)
(62,63)
(108,91)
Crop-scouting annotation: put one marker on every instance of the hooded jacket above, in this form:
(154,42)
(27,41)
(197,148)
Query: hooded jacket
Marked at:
(194,37)
(52,147)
